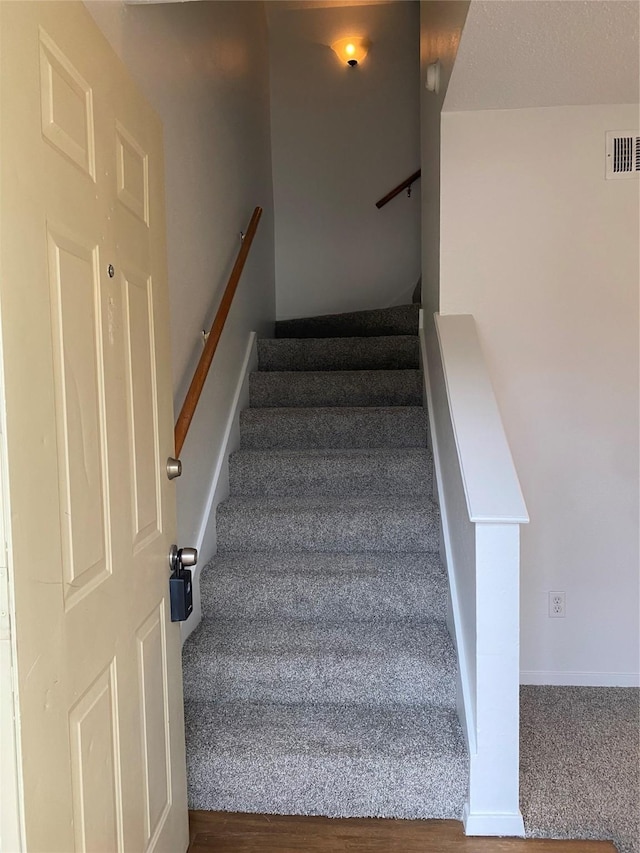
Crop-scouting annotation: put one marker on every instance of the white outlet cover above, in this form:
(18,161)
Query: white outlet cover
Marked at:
(557,604)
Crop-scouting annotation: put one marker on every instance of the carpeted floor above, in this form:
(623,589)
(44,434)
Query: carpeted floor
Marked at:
(579,763)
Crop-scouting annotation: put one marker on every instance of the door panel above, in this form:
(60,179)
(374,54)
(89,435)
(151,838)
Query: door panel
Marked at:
(95,766)
(133,174)
(142,408)
(152,652)
(78,360)
(84,302)
(67,106)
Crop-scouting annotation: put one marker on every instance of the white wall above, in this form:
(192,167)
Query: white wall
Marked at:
(543,251)
(441,23)
(342,138)
(204,67)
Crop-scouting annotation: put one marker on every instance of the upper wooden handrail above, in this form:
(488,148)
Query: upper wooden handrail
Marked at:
(397,190)
(200,374)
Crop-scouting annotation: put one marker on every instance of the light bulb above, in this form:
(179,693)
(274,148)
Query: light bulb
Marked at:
(351,49)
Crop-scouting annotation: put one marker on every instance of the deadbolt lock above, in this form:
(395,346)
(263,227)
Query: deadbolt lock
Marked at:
(182,558)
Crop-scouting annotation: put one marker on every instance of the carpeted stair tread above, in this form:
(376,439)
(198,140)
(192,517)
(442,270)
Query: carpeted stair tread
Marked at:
(399,320)
(321,586)
(341,761)
(368,662)
(335,388)
(400,352)
(337,427)
(322,678)
(341,473)
(369,523)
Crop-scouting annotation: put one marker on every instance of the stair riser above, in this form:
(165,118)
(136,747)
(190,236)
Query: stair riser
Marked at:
(394,353)
(311,597)
(319,759)
(327,529)
(342,388)
(269,476)
(413,786)
(308,429)
(286,678)
(401,320)
(326,759)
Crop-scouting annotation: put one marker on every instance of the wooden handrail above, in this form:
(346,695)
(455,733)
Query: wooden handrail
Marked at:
(200,374)
(397,190)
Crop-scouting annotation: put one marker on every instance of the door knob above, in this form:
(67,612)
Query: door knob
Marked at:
(182,558)
(174,468)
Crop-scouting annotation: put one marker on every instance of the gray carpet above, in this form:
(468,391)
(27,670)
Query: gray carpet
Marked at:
(340,473)
(400,320)
(397,352)
(297,388)
(341,427)
(579,763)
(333,760)
(371,662)
(325,586)
(322,677)
(297,523)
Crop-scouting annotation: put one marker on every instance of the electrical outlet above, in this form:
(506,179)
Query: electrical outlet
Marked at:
(556,605)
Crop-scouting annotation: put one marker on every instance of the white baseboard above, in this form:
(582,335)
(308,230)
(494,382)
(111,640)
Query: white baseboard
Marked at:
(230,441)
(219,488)
(580,679)
(510,825)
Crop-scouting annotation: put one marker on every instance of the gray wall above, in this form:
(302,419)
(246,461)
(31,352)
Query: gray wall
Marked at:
(342,138)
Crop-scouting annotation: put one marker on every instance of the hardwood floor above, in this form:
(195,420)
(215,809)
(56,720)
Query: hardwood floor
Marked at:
(224,832)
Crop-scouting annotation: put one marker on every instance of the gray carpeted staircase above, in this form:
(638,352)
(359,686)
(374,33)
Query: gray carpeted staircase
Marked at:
(322,677)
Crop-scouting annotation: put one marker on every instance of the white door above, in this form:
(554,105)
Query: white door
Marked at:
(86,362)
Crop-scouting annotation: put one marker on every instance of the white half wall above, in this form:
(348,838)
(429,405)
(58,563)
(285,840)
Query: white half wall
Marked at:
(543,251)
(342,138)
(481,508)
(204,67)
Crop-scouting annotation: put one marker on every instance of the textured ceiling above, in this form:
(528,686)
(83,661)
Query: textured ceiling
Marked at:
(287,5)
(544,53)
(275,6)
